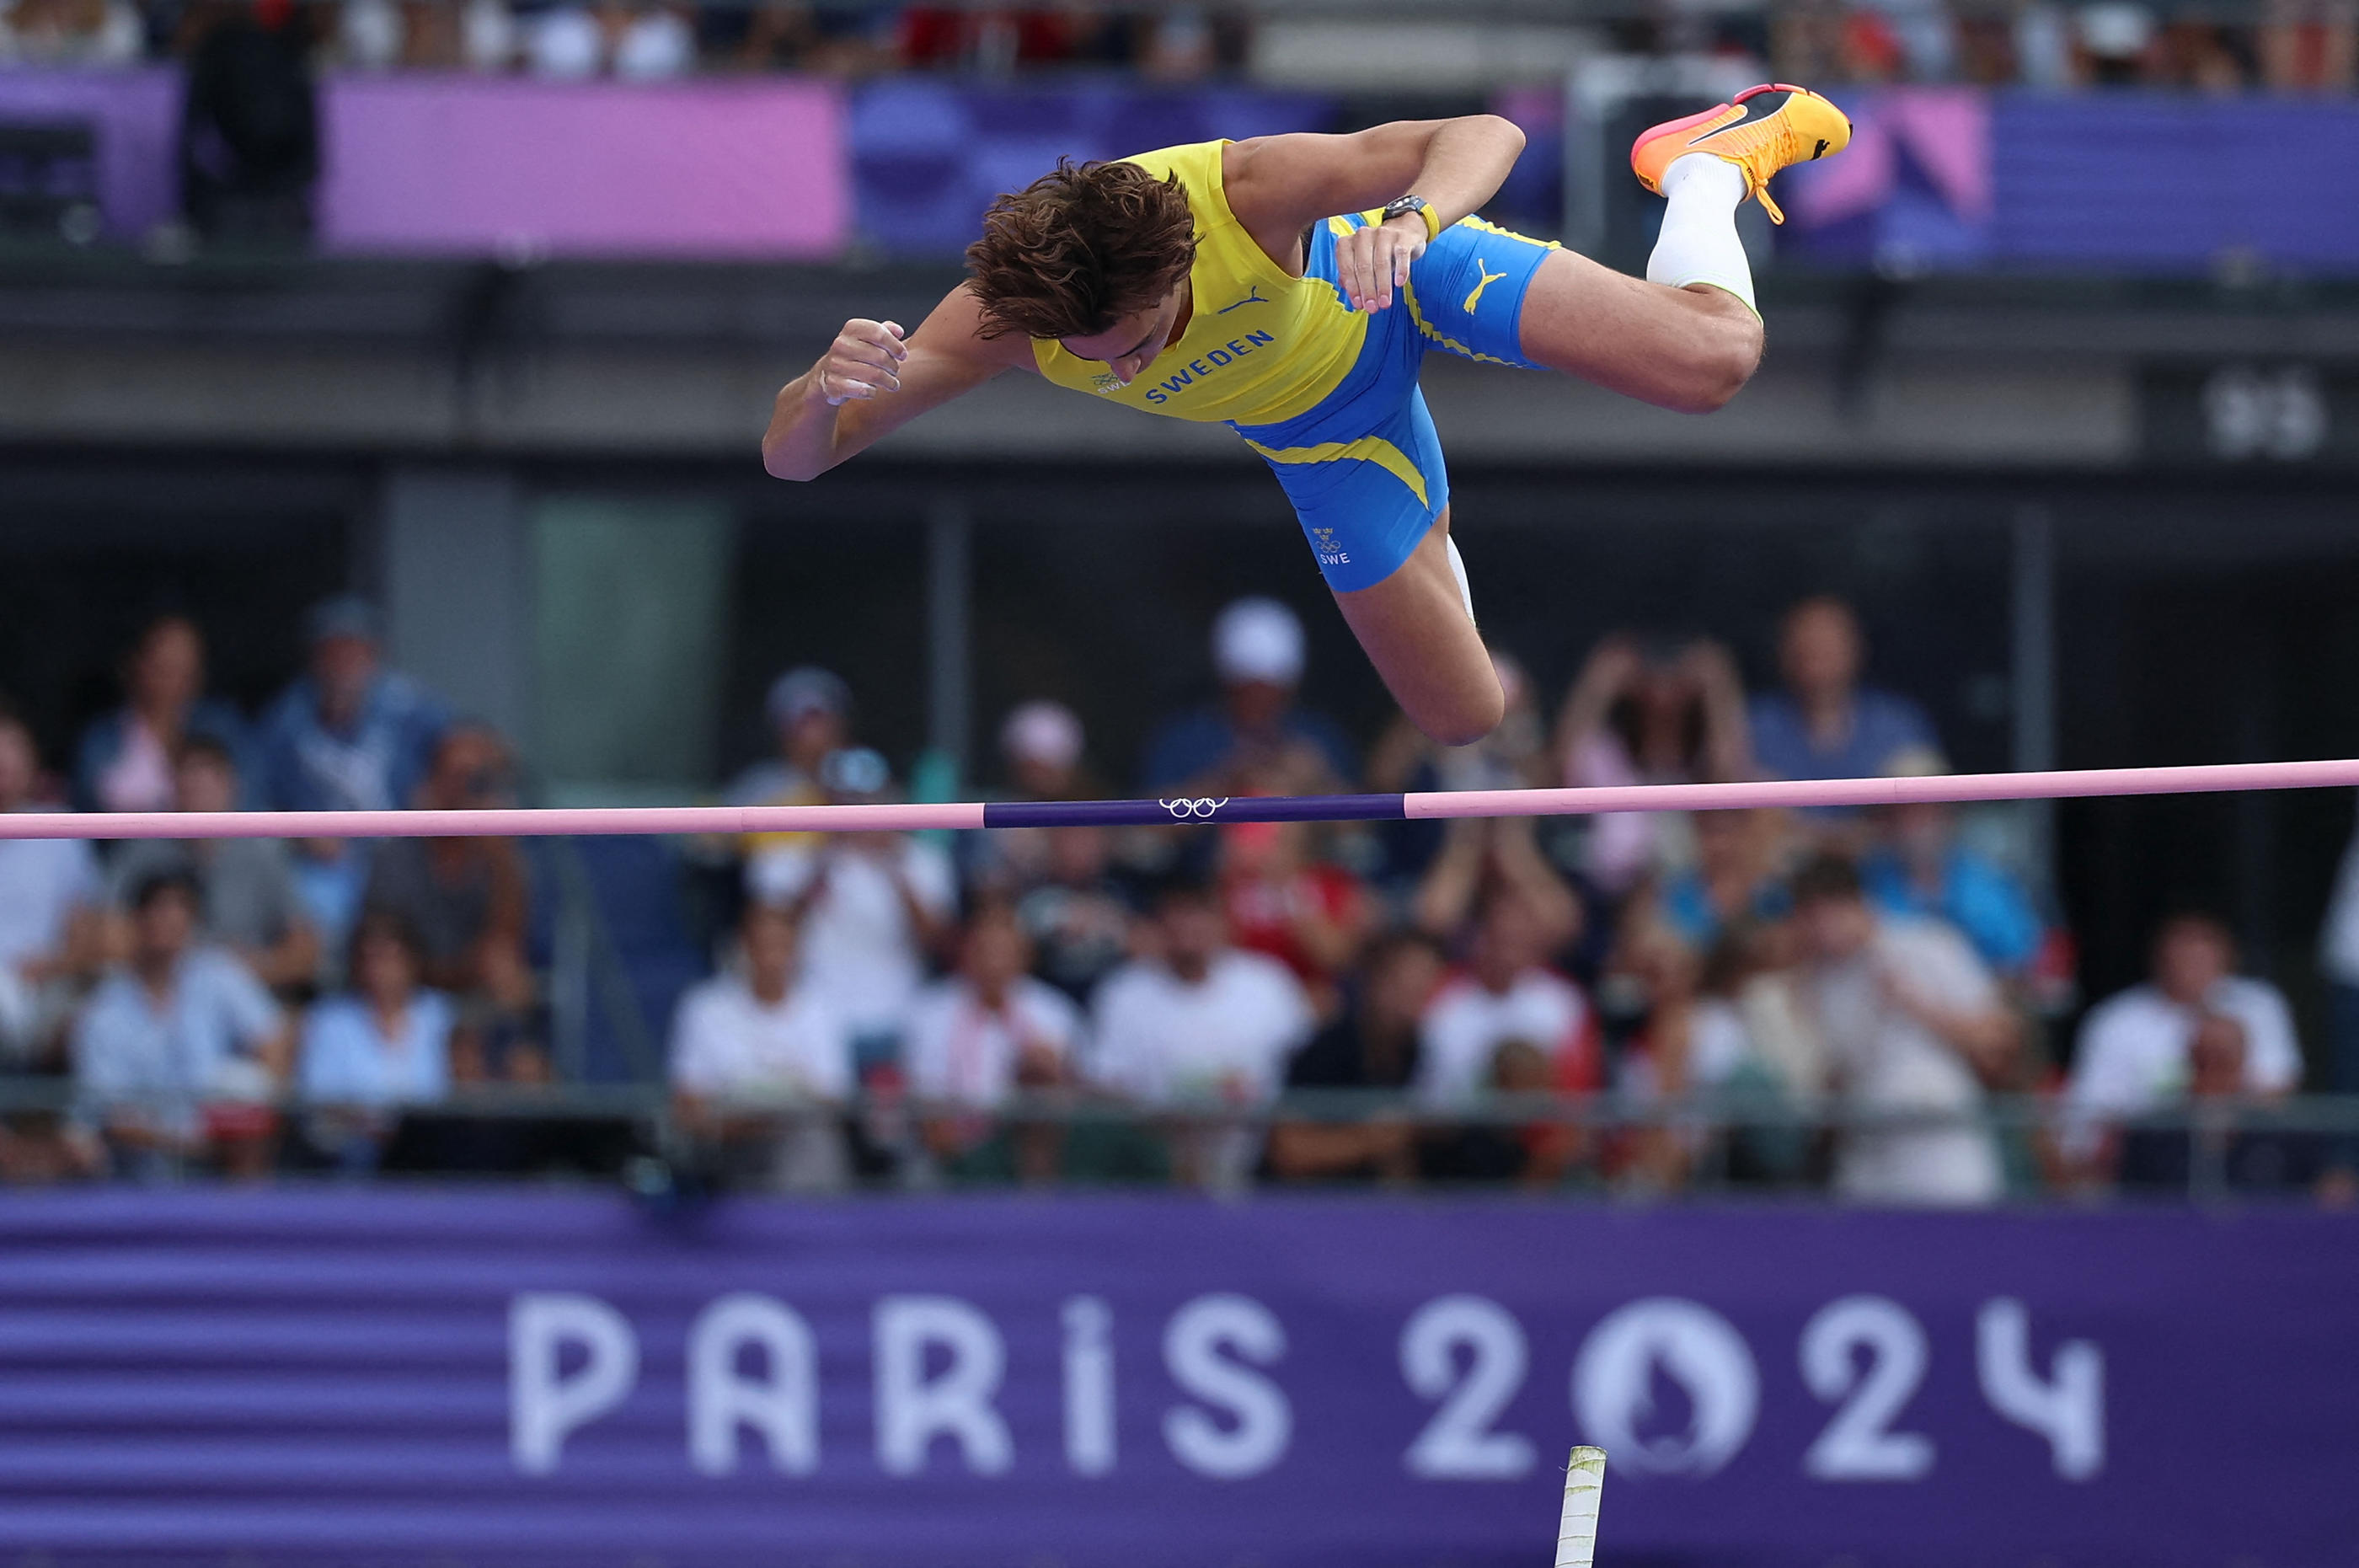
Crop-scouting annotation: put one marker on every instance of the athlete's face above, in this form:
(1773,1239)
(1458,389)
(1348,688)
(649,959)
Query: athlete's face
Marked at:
(1130,345)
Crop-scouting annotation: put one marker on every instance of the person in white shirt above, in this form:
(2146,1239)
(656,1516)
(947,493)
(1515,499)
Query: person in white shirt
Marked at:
(1508,992)
(1200,1025)
(872,906)
(2135,1053)
(1912,1023)
(760,1064)
(983,1035)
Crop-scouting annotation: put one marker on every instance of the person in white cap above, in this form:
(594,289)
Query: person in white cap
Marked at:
(1255,732)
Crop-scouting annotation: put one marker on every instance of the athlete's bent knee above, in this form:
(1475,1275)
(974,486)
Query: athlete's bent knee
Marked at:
(1465,719)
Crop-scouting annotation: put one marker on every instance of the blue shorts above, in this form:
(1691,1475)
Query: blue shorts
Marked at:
(1363,468)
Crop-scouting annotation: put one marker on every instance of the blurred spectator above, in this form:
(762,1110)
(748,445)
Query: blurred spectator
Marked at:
(51,899)
(650,42)
(2136,1049)
(347,736)
(1077,912)
(1641,713)
(250,126)
(1256,741)
(180,1052)
(1730,1025)
(1507,992)
(979,1037)
(1483,857)
(381,1046)
(250,904)
(1738,875)
(872,906)
(489,39)
(1308,913)
(2308,46)
(71,33)
(1199,1027)
(564,43)
(125,760)
(2214,1150)
(1041,743)
(1373,1045)
(1040,747)
(1916,865)
(809,711)
(841,39)
(1825,724)
(1912,1025)
(761,1065)
(468,902)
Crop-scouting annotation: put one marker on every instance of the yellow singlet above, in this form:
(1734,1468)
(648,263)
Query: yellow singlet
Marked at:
(1261,347)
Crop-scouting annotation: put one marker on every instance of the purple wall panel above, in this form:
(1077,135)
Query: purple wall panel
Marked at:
(512,1377)
(456,164)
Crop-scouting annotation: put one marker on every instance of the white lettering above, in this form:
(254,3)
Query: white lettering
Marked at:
(543,1405)
(2069,1409)
(1089,1386)
(1457,1443)
(1856,1445)
(1192,1344)
(782,1404)
(913,1409)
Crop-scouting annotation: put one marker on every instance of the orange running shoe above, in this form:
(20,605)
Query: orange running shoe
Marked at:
(1762,130)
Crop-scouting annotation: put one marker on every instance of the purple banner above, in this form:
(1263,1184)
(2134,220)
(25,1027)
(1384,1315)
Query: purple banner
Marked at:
(469,1376)
(929,155)
(135,117)
(468,165)
(1950,179)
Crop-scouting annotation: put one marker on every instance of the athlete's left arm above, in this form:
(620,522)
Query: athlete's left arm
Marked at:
(1277,185)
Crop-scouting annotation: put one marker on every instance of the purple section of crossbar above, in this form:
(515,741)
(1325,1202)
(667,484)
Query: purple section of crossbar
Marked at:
(588,821)
(1201,808)
(955,817)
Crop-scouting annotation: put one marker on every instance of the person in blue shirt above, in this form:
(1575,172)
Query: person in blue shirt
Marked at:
(178,1051)
(349,734)
(1255,733)
(381,1046)
(1918,867)
(1825,724)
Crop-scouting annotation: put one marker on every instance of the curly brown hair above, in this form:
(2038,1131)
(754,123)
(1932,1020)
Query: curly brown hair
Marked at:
(1080,248)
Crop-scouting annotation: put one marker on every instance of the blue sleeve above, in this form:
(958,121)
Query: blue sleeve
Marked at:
(1996,915)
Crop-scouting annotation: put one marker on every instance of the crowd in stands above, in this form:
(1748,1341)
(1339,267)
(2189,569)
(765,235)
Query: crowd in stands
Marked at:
(2278,45)
(1814,999)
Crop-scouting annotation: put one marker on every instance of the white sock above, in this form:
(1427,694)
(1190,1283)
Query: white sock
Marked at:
(1458,570)
(1698,243)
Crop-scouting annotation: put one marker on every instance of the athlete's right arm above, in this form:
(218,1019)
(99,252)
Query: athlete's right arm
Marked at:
(873,379)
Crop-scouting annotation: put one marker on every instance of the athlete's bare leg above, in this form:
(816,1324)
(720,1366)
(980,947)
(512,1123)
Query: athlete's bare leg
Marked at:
(1417,632)
(1688,349)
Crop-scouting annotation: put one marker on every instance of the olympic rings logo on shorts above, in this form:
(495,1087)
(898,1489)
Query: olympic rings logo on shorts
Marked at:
(1184,808)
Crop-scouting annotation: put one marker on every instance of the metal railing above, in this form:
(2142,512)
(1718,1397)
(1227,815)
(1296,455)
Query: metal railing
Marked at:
(657,1146)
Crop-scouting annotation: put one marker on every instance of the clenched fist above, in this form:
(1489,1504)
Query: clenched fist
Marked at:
(863,360)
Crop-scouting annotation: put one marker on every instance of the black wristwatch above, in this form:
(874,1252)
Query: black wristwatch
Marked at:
(1402,205)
